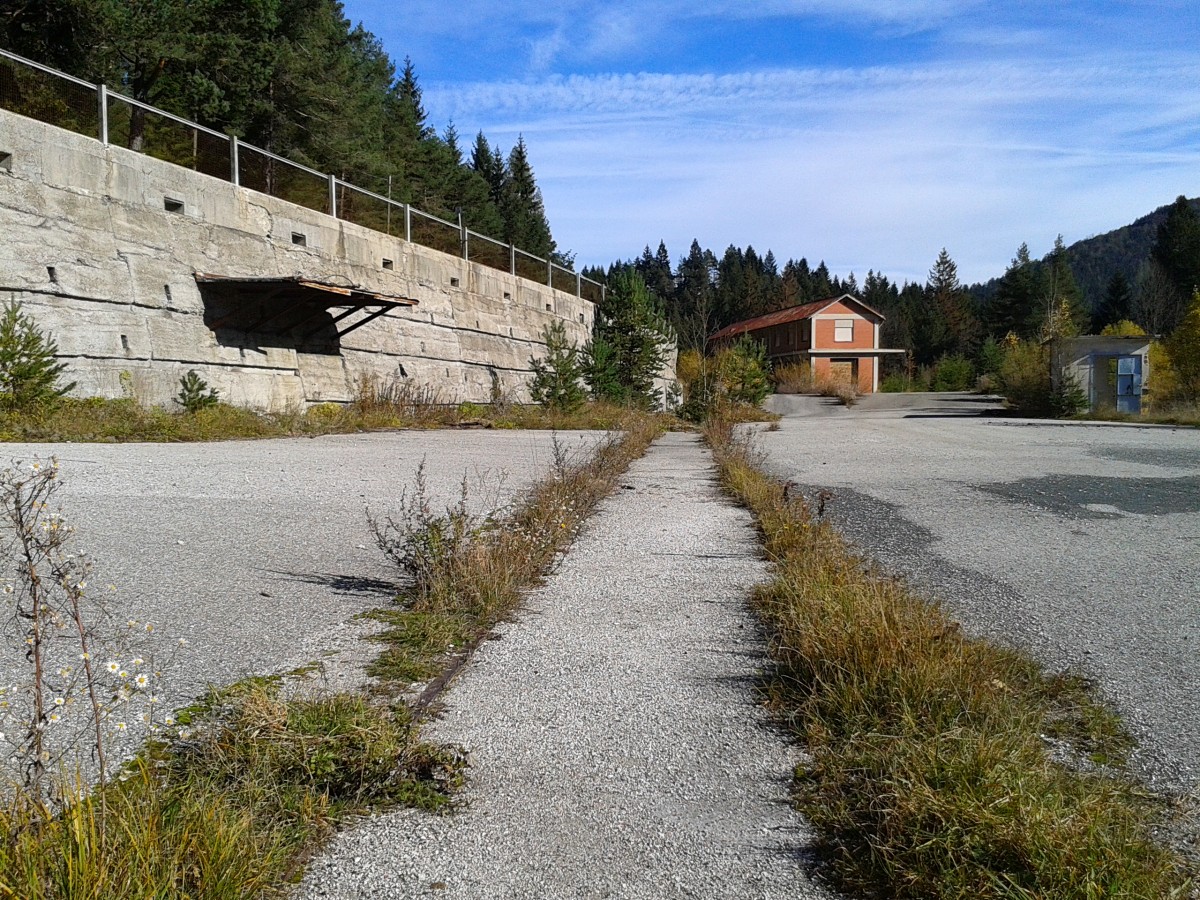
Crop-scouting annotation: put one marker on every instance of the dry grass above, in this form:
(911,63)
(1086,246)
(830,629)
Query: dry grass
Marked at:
(379,405)
(793,378)
(231,810)
(840,390)
(930,775)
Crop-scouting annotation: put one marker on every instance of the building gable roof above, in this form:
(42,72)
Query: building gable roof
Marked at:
(791,314)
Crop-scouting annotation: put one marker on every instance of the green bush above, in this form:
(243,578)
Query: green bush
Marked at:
(194,392)
(1025,377)
(954,373)
(742,370)
(29,373)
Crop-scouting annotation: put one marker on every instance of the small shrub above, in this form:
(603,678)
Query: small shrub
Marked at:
(1025,377)
(953,373)
(742,372)
(792,378)
(896,383)
(29,372)
(195,394)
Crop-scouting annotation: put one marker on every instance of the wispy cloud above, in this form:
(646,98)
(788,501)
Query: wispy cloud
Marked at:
(907,126)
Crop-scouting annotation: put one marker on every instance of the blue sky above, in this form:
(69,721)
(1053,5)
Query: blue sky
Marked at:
(868,133)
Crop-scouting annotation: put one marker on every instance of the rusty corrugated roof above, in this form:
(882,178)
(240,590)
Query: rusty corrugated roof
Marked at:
(783,316)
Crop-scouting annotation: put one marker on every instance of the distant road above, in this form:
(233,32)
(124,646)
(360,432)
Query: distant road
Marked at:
(1080,543)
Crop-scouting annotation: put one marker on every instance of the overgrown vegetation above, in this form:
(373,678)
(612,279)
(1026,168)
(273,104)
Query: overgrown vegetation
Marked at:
(466,571)
(380,404)
(226,796)
(931,773)
(230,810)
(733,381)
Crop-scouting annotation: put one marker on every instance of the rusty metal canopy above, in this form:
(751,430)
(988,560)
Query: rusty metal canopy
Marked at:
(290,293)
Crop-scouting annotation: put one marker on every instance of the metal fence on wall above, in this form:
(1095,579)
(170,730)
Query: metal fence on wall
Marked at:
(50,96)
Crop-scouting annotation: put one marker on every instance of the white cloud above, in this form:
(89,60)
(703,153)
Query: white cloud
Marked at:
(876,167)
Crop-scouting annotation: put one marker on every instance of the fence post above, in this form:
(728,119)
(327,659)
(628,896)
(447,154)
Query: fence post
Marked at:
(235,174)
(550,274)
(102,94)
(462,235)
(333,196)
(578,285)
(512,259)
(408,222)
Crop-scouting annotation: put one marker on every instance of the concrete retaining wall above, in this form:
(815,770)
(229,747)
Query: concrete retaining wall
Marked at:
(89,247)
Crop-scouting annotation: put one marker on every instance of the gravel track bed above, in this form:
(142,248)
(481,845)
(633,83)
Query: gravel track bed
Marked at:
(1080,544)
(258,552)
(617,749)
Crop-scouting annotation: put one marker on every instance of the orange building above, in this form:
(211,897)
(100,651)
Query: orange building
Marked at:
(838,338)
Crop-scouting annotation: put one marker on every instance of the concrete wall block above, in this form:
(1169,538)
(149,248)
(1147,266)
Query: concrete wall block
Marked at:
(88,329)
(179,337)
(325,379)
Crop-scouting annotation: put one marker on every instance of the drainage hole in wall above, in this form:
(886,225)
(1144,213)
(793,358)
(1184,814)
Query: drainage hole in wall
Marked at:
(581,318)
(53,274)
(476,323)
(125,344)
(299,239)
(5,161)
(167,292)
(170,204)
(453,282)
(549,307)
(388,264)
(507,295)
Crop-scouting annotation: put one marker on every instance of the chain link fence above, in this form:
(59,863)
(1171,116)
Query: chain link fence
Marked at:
(50,96)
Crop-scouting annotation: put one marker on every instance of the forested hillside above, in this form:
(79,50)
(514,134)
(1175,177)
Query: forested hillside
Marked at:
(295,77)
(1095,260)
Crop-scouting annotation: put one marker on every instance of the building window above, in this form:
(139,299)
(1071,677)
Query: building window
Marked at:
(843,330)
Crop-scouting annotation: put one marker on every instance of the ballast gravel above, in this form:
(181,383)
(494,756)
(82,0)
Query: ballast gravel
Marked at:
(616,745)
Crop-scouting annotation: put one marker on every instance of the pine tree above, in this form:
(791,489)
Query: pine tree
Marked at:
(954,326)
(695,298)
(29,373)
(556,376)
(522,208)
(1177,247)
(1062,295)
(1117,305)
(1014,309)
(627,350)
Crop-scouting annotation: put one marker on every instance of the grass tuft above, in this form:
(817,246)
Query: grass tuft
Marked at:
(230,810)
(931,771)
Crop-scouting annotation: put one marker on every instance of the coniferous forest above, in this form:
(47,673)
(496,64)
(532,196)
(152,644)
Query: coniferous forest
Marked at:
(1144,273)
(297,78)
